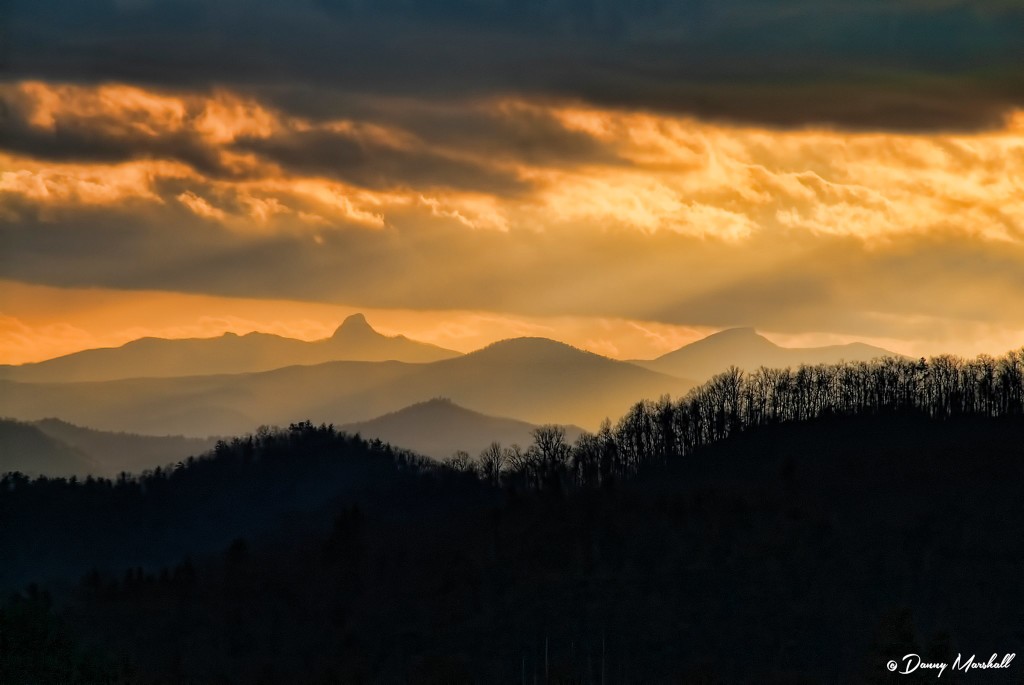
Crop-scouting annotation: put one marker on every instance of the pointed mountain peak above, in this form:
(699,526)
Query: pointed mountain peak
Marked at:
(355,325)
(745,337)
(531,350)
(729,341)
(740,332)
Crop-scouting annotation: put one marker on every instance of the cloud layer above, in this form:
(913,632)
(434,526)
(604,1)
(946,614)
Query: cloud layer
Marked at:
(525,207)
(862,64)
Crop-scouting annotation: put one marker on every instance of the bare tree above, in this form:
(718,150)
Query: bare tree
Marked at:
(460,461)
(492,463)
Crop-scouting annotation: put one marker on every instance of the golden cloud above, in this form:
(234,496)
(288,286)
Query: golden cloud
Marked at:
(673,174)
(533,208)
(52,185)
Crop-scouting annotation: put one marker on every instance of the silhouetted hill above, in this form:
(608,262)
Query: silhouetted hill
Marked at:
(744,348)
(825,548)
(533,380)
(439,427)
(354,340)
(113,453)
(26,448)
(243,487)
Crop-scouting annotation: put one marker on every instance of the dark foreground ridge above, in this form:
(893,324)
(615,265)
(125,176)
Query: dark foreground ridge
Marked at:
(873,513)
(824,549)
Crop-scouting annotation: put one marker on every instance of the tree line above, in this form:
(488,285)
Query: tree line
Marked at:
(304,553)
(657,432)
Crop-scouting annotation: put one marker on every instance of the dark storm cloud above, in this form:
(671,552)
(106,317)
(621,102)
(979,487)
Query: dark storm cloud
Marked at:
(353,160)
(378,143)
(908,64)
(517,133)
(101,139)
(358,153)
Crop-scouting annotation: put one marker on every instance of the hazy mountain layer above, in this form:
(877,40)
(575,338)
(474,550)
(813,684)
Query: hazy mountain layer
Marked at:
(116,452)
(744,348)
(56,448)
(529,379)
(26,448)
(439,427)
(354,340)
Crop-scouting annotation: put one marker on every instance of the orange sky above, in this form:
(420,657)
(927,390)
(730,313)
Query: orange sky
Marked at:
(41,322)
(625,232)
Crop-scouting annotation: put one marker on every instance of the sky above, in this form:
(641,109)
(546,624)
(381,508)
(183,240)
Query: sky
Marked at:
(623,176)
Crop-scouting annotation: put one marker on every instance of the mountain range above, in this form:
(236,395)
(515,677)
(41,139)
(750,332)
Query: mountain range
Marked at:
(233,384)
(747,350)
(354,340)
(529,379)
(57,448)
(439,427)
(25,448)
(436,428)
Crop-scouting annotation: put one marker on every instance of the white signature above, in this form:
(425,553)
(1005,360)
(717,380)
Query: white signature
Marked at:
(913,662)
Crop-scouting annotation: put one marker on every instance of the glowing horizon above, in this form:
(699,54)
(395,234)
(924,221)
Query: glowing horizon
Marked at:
(624,232)
(59,321)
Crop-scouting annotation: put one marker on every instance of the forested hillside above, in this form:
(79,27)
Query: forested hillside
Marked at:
(826,520)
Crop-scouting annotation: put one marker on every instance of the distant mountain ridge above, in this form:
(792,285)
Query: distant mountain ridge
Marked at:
(748,350)
(115,452)
(530,379)
(57,448)
(353,340)
(435,428)
(439,427)
(26,448)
